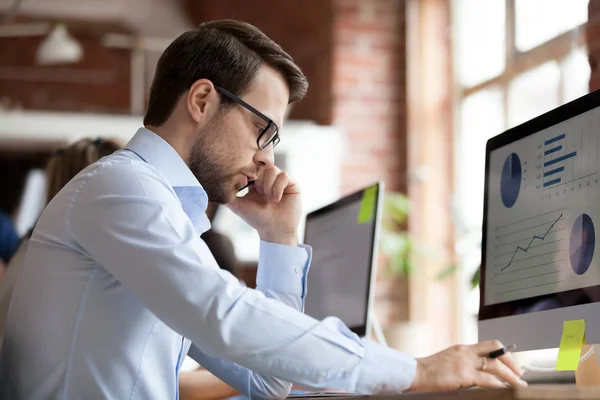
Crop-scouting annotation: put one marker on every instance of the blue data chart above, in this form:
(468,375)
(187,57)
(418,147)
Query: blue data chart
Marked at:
(555,158)
(510,182)
(582,244)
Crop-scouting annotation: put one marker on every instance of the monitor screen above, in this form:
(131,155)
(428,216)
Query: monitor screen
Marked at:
(542,210)
(342,236)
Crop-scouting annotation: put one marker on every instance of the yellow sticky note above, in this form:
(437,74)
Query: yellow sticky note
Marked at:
(367,205)
(569,352)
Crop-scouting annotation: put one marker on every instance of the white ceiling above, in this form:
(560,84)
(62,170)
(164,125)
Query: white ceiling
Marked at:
(161,18)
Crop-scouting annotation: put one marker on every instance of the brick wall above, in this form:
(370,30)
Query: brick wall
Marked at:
(369,90)
(369,87)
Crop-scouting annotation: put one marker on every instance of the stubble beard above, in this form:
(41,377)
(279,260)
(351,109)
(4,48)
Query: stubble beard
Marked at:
(211,168)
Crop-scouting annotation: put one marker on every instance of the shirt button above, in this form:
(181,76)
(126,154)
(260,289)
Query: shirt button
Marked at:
(297,270)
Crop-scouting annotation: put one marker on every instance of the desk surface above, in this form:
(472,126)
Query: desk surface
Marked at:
(534,392)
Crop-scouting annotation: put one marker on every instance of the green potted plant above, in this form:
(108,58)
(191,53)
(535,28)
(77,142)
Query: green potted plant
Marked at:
(395,243)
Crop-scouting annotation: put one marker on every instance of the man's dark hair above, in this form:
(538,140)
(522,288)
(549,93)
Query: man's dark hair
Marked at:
(226,52)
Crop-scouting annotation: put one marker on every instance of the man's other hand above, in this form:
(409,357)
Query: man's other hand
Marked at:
(466,366)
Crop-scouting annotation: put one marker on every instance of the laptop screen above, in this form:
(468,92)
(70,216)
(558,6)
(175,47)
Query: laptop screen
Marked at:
(342,236)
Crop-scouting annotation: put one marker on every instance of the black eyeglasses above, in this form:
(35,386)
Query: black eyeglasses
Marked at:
(269,134)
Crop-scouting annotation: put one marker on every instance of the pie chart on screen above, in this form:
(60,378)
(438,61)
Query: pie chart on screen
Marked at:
(510,180)
(582,244)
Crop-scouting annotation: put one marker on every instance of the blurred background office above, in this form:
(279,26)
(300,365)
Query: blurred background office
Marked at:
(404,91)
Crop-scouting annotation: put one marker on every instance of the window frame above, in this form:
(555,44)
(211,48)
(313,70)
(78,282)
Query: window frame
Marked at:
(516,62)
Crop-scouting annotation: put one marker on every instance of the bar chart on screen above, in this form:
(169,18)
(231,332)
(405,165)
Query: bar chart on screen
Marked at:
(567,158)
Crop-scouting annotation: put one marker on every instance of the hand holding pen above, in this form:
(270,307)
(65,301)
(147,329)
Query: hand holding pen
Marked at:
(487,364)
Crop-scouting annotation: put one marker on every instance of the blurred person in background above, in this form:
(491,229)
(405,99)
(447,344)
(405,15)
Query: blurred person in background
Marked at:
(9,240)
(14,175)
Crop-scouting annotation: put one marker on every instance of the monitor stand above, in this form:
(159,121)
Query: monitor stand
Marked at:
(536,377)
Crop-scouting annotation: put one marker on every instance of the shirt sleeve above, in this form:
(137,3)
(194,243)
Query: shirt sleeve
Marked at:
(281,276)
(130,222)
(283,272)
(244,380)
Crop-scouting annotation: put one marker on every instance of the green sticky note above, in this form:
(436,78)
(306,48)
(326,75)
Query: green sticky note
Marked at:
(367,205)
(569,352)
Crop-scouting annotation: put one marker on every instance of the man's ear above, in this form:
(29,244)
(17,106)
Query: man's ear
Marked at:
(202,100)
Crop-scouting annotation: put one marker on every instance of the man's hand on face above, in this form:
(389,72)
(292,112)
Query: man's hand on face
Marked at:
(466,366)
(272,207)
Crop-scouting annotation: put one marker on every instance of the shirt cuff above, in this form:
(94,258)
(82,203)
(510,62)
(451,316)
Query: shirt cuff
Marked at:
(283,269)
(384,370)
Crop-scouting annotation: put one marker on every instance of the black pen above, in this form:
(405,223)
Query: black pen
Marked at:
(250,183)
(502,351)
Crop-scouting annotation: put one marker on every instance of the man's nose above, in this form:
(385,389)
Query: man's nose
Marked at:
(265,157)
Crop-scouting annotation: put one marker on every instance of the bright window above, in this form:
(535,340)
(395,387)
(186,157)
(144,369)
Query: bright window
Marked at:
(538,21)
(480,25)
(533,93)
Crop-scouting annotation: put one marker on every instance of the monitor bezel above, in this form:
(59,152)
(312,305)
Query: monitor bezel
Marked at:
(363,329)
(565,112)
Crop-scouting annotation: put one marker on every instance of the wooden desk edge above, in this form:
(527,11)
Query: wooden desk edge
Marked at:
(534,392)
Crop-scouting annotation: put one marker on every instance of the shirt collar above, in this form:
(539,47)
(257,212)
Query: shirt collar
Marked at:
(157,152)
(162,156)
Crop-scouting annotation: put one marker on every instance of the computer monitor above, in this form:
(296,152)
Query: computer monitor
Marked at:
(344,237)
(540,266)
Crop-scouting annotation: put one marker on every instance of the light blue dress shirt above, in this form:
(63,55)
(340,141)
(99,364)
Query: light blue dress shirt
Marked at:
(117,287)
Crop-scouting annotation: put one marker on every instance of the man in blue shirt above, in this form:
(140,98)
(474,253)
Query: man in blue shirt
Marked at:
(117,286)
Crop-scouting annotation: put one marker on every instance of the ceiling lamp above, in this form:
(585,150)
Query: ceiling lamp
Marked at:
(59,48)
